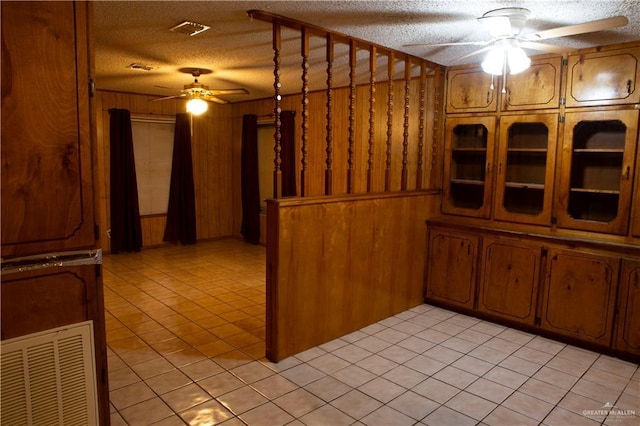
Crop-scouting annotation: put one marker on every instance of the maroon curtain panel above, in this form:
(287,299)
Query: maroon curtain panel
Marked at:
(288,153)
(126,231)
(250,182)
(181,211)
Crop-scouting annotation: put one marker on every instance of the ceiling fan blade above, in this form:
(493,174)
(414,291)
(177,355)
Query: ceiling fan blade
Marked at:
(543,47)
(462,43)
(214,99)
(587,27)
(476,52)
(229,91)
(166,98)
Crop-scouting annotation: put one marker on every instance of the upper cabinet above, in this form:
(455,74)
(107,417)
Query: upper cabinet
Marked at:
(469,143)
(596,175)
(525,163)
(538,87)
(606,77)
(470,90)
(47,187)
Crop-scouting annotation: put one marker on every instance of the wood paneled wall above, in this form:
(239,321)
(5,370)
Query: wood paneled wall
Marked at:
(216,145)
(213,157)
(338,263)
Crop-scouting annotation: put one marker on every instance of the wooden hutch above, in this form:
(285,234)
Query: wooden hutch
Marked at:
(540,215)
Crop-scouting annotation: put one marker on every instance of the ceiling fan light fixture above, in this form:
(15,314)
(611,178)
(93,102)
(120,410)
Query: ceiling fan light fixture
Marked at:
(197,106)
(494,62)
(518,60)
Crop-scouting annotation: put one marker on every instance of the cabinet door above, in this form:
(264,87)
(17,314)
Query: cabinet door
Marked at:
(451,268)
(538,87)
(604,78)
(470,90)
(597,170)
(509,280)
(628,324)
(635,203)
(526,165)
(467,173)
(579,295)
(47,202)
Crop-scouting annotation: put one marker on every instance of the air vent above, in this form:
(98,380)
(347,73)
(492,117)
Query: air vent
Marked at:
(140,67)
(189,28)
(48,378)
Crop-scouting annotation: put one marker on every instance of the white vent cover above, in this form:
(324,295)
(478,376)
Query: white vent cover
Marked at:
(48,378)
(189,28)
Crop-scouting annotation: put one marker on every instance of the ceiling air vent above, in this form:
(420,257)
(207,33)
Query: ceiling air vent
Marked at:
(189,28)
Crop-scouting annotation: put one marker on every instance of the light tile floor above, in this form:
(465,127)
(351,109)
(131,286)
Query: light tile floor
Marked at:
(185,331)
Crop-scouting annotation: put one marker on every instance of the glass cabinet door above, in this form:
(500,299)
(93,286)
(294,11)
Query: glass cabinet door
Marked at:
(467,175)
(597,170)
(526,161)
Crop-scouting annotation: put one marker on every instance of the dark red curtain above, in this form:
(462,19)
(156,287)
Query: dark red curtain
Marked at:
(250,182)
(181,211)
(288,153)
(126,231)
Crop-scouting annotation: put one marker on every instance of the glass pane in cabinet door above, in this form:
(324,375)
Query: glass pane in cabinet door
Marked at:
(596,166)
(526,163)
(468,158)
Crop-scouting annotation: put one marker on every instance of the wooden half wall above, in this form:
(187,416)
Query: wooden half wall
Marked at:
(339,263)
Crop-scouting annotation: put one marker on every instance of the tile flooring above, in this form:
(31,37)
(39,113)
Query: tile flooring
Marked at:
(185,331)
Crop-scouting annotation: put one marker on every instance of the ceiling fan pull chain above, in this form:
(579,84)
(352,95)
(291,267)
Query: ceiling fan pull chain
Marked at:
(491,87)
(504,73)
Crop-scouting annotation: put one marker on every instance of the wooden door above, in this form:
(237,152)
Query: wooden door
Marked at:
(627,337)
(469,144)
(470,90)
(538,87)
(604,77)
(597,169)
(579,295)
(509,280)
(452,264)
(47,193)
(526,167)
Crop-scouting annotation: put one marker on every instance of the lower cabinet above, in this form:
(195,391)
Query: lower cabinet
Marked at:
(452,267)
(579,295)
(509,281)
(627,337)
(586,292)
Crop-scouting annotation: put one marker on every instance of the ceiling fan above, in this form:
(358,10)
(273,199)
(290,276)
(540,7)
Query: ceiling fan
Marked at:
(197,90)
(506,25)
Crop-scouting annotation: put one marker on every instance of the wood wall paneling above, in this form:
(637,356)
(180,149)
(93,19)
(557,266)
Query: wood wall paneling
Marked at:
(336,264)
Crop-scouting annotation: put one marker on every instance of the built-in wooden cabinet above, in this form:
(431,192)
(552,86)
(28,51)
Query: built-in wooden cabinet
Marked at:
(452,264)
(525,168)
(47,182)
(471,90)
(603,77)
(579,295)
(627,336)
(597,170)
(509,281)
(538,87)
(469,145)
(47,192)
(578,289)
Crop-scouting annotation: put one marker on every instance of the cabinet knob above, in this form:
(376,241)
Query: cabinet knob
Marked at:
(627,173)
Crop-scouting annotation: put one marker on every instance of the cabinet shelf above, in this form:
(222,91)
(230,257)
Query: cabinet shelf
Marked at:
(468,182)
(595,191)
(469,149)
(528,150)
(525,185)
(598,151)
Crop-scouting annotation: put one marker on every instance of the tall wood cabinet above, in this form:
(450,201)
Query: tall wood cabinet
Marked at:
(596,178)
(50,268)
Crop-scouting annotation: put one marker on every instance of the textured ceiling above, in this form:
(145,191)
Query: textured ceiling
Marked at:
(238,50)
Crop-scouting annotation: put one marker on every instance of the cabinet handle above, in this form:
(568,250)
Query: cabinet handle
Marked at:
(627,173)
(499,168)
(628,87)
(488,97)
(488,167)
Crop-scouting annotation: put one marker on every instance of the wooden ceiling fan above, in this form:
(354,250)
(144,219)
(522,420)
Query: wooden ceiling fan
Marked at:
(506,25)
(197,90)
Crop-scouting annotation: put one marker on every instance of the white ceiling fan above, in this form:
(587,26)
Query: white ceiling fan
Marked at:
(506,25)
